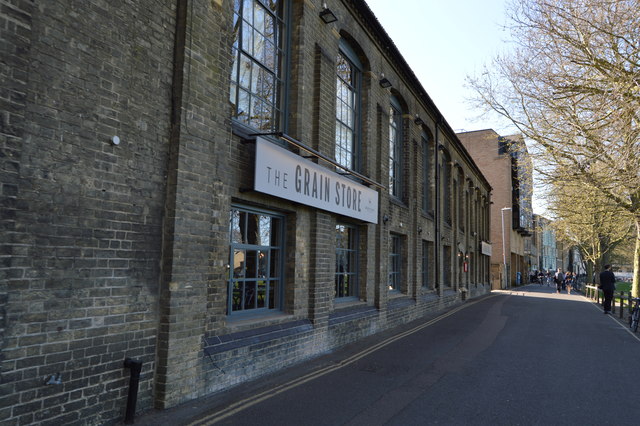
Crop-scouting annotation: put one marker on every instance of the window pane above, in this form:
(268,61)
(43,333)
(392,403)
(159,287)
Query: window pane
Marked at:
(248,11)
(272,291)
(276,237)
(274,262)
(269,57)
(261,301)
(237,293)
(234,227)
(251,264)
(265,230)
(263,265)
(256,75)
(258,19)
(249,295)
(244,76)
(239,257)
(247,39)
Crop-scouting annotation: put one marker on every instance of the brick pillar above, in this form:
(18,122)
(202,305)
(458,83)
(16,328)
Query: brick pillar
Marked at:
(321,268)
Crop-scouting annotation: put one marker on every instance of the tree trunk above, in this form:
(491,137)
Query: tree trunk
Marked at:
(589,272)
(636,261)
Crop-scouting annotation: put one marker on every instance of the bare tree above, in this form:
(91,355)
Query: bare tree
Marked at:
(571,86)
(584,218)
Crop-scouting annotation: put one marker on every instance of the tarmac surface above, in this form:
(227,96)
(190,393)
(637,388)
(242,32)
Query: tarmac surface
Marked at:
(527,356)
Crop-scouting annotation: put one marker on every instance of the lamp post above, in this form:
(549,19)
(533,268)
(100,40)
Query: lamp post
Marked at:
(504,251)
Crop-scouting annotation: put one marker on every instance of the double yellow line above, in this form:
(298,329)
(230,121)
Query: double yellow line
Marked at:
(238,406)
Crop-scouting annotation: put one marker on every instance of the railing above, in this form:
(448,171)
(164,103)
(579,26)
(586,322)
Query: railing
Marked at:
(593,293)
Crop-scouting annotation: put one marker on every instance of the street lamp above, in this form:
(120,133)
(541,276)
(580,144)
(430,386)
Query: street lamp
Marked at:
(504,250)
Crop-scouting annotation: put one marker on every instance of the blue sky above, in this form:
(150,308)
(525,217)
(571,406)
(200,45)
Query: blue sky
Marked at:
(444,41)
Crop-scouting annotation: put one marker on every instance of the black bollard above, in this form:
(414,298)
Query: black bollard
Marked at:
(134,380)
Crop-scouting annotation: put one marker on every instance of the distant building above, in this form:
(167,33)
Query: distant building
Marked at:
(532,246)
(548,248)
(507,166)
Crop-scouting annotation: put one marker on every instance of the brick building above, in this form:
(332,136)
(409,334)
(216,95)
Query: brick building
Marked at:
(507,166)
(218,190)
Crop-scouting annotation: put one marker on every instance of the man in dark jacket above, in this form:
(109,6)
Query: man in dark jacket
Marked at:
(608,286)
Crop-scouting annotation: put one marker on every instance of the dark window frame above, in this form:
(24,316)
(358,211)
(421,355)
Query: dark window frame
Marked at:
(262,67)
(351,154)
(427,193)
(395,263)
(395,148)
(255,269)
(347,281)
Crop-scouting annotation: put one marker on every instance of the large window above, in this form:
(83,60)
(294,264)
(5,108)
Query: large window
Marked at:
(395,262)
(255,256)
(427,154)
(348,70)
(461,217)
(257,75)
(395,148)
(346,261)
(446,189)
(428,267)
(446,266)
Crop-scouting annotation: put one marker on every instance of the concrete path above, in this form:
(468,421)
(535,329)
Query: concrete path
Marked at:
(522,357)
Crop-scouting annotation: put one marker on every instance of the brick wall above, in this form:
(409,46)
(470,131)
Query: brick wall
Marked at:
(81,229)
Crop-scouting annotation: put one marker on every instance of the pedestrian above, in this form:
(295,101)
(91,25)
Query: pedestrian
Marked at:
(569,281)
(559,280)
(608,286)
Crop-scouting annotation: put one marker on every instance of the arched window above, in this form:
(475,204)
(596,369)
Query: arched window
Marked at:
(257,75)
(348,97)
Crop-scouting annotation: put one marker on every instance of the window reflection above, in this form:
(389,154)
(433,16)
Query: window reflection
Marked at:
(346,92)
(255,75)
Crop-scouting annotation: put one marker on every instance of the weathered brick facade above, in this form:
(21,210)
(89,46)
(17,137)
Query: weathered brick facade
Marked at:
(494,156)
(122,250)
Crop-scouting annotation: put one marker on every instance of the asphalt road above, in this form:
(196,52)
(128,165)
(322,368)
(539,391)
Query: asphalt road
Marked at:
(526,357)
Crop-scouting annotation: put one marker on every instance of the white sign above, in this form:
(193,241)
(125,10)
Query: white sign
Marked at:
(485,248)
(287,175)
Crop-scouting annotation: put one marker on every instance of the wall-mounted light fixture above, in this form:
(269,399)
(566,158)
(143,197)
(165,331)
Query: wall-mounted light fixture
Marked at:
(419,229)
(419,121)
(327,15)
(385,219)
(384,81)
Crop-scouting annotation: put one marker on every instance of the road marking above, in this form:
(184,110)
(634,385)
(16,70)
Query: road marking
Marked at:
(236,407)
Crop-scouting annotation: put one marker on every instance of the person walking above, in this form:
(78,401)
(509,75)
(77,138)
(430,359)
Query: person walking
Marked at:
(568,281)
(608,286)
(559,280)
